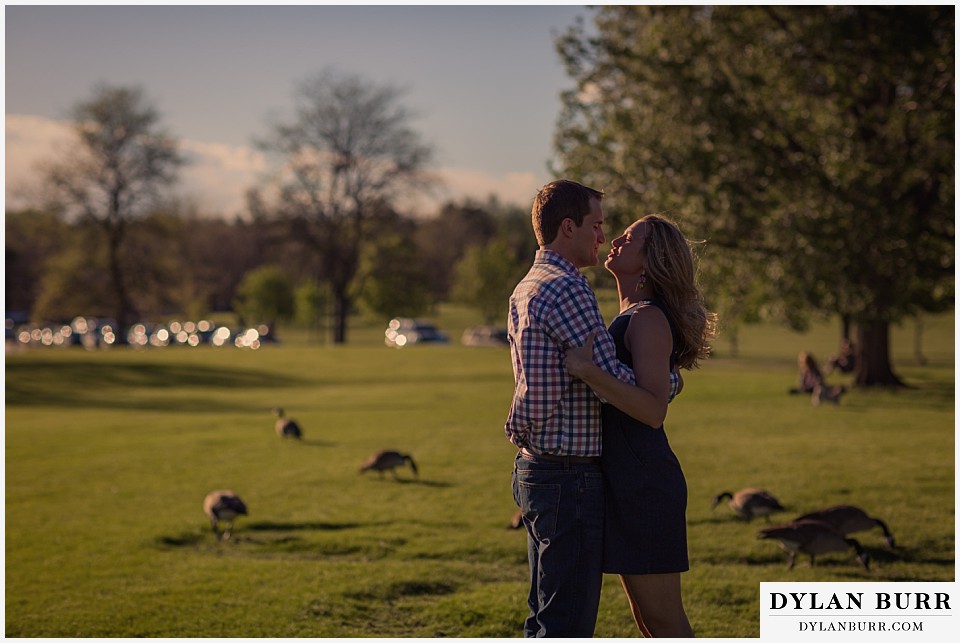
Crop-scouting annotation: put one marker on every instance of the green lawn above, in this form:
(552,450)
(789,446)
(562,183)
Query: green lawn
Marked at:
(109,456)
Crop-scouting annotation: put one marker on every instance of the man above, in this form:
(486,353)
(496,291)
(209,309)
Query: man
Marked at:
(554,419)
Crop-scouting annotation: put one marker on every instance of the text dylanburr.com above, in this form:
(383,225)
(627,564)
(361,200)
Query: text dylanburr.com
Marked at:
(861,611)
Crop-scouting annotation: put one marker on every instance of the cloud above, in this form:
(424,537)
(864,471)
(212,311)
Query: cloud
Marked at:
(217,176)
(30,141)
(512,187)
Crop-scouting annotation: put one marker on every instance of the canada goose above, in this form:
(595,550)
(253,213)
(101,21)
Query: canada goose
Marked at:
(286,427)
(749,503)
(388,461)
(848,519)
(223,505)
(812,537)
(822,393)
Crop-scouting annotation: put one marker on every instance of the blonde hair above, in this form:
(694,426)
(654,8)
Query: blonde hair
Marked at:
(671,271)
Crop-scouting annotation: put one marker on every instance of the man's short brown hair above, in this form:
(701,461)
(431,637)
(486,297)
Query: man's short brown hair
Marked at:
(559,200)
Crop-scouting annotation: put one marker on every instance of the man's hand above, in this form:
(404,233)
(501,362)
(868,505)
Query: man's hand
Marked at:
(579,359)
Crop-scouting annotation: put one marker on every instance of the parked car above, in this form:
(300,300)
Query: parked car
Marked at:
(485,336)
(403,331)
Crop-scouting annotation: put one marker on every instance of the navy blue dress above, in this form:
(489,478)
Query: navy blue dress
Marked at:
(645,490)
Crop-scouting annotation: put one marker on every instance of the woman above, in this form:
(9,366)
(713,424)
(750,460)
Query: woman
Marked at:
(663,324)
(809,376)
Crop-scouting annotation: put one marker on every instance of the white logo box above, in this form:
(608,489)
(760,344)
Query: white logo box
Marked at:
(858,611)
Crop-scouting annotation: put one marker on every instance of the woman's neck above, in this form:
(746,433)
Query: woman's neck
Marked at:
(629,295)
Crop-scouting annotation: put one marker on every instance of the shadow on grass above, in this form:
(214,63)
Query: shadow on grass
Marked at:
(308,442)
(931,394)
(271,538)
(269,525)
(416,481)
(90,384)
(402,589)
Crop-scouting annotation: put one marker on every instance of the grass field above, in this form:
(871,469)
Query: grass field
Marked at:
(109,456)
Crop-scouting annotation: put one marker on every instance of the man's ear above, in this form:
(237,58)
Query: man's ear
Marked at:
(566,227)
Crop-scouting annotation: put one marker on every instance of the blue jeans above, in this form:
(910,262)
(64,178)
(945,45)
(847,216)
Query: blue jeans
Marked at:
(562,506)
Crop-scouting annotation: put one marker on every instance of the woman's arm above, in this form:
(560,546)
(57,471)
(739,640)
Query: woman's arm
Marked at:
(649,340)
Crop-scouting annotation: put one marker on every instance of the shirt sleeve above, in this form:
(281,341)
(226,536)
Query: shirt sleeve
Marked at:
(575,315)
(674,384)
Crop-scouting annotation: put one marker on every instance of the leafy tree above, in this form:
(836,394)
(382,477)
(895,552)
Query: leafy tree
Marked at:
(217,254)
(309,304)
(74,281)
(811,146)
(265,295)
(121,161)
(32,238)
(349,150)
(444,238)
(485,277)
(393,279)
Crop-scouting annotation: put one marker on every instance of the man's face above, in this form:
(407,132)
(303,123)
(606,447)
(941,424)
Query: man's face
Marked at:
(588,238)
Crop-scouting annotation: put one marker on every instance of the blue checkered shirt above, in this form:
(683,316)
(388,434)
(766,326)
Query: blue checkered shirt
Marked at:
(551,308)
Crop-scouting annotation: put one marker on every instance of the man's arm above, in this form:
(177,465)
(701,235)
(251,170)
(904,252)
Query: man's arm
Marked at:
(571,330)
(574,317)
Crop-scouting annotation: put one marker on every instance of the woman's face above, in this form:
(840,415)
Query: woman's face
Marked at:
(628,252)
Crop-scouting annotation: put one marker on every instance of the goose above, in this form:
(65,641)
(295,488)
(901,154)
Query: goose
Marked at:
(749,503)
(388,461)
(848,519)
(286,427)
(223,505)
(812,537)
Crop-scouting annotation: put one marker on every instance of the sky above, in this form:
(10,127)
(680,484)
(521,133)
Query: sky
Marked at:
(484,83)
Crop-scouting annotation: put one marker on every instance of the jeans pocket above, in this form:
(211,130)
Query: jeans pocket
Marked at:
(540,504)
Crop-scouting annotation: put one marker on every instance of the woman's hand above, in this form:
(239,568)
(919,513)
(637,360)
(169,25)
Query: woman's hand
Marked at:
(579,359)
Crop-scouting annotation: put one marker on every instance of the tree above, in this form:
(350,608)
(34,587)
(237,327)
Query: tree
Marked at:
(32,239)
(309,305)
(812,146)
(73,281)
(349,151)
(393,280)
(444,238)
(485,277)
(264,296)
(115,174)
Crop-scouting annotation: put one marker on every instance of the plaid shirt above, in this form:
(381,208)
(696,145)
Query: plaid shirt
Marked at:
(551,308)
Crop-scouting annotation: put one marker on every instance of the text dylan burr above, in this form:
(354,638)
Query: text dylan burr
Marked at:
(855,601)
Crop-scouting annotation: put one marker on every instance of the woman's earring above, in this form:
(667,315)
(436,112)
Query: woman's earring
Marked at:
(642,280)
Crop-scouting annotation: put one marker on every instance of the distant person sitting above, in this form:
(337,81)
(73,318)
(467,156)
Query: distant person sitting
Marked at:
(810,380)
(845,360)
(809,376)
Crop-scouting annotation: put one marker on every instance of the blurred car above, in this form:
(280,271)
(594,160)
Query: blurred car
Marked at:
(403,332)
(485,336)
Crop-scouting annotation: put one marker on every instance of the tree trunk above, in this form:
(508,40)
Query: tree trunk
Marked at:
(125,310)
(873,356)
(844,326)
(733,336)
(341,307)
(918,341)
